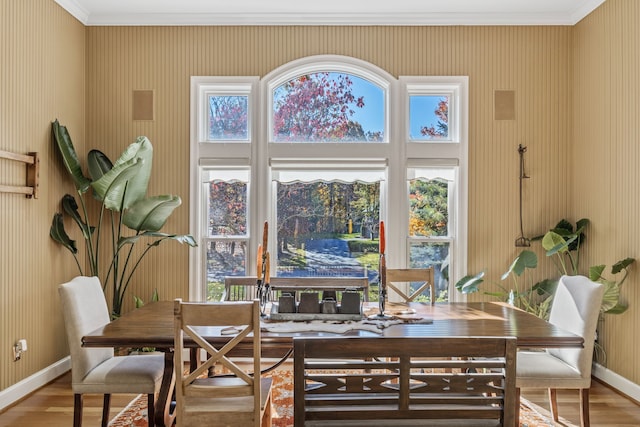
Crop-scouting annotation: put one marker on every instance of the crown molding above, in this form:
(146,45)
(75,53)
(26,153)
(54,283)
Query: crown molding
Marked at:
(585,10)
(77,11)
(321,19)
(359,19)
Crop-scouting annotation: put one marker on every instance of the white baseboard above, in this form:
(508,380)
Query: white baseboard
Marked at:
(616,381)
(12,394)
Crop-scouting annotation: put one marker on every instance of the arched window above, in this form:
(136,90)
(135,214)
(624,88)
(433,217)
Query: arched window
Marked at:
(341,145)
(328,106)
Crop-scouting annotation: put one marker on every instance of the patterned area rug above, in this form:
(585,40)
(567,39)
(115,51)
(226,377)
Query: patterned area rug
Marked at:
(135,414)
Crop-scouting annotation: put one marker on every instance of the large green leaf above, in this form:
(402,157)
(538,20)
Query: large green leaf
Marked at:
(98,164)
(150,214)
(595,272)
(553,243)
(70,206)
(545,287)
(621,265)
(611,295)
(180,238)
(137,185)
(581,225)
(69,156)
(114,185)
(618,309)
(469,284)
(526,259)
(58,233)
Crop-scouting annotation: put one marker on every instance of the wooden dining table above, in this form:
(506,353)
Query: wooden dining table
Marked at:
(152,326)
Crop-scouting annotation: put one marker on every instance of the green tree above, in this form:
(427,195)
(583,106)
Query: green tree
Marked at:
(428,207)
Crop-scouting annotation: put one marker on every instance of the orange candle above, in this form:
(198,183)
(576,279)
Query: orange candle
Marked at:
(267,269)
(265,236)
(259,263)
(382,241)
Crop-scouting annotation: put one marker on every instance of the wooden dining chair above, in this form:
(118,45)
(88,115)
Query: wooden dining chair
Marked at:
(424,276)
(576,307)
(233,396)
(97,370)
(240,288)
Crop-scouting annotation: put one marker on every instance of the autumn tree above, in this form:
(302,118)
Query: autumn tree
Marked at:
(228,117)
(317,107)
(228,216)
(429,215)
(441,129)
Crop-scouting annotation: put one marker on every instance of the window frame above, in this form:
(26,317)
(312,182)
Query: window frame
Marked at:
(327,64)
(450,153)
(222,154)
(397,152)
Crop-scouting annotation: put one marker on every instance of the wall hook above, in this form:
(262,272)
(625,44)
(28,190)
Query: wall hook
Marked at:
(522,241)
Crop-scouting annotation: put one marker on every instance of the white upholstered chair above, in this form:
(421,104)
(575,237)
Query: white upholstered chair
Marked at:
(576,307)
(97,370)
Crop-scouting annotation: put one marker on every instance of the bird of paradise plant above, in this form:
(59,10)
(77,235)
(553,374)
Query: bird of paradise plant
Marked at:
(120,189)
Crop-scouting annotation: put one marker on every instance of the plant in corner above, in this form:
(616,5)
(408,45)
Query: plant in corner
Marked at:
(523,293)
(120,190)
(563,244)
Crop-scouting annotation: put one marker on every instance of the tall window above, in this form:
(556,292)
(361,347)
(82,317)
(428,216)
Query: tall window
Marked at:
(327,220)
(431,203)
(342,145)
(225,193)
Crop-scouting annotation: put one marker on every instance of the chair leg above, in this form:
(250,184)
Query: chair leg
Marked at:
(77,410)
(151,409)
(517,415)
(584,407)
(106,407)
(267,414)
(553,403)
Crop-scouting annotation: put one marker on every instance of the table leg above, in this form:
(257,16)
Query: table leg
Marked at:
(163,415)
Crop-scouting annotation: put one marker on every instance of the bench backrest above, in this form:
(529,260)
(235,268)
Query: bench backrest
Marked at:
(467,379)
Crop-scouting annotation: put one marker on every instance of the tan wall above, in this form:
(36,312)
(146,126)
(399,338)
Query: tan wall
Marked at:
(41,41)
(42,76)
(606,153)
(532,61)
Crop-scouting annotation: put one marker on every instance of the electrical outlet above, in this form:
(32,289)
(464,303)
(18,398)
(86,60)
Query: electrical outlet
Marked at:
(17,352)
(18,348)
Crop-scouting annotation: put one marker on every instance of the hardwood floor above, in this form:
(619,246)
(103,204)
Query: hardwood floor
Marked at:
(607,407)
(52,406)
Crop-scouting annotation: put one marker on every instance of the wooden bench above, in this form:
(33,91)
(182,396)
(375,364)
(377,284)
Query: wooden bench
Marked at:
(243,288)
(365,381)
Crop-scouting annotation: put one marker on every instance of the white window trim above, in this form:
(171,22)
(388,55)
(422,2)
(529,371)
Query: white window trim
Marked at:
(397,151)
(203,153)
(449,153)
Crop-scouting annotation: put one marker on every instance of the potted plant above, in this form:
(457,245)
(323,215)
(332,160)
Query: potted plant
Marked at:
(523,293)
(125,216)
(562,244)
